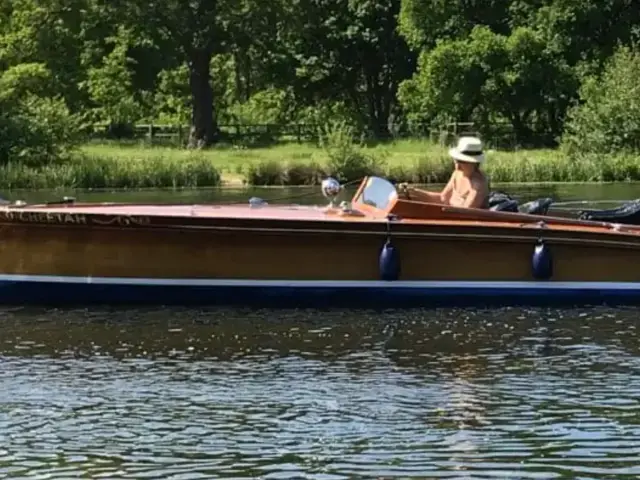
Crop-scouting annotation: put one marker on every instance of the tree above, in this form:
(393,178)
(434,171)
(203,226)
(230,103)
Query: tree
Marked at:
(109,84)
(34,130)
(488,78)
(607,119)
(192,31)
(351,51)
(425,22)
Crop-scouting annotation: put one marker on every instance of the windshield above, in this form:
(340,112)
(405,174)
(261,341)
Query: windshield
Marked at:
(378,193)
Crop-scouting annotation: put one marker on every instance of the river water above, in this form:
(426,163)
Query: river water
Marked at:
(560,192)
(193,394)
(188,394)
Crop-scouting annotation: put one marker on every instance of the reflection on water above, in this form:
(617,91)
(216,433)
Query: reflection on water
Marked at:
(229,394)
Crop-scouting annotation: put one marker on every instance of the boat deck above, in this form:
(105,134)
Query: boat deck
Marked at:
(284,212)
(42,212)
(235,211)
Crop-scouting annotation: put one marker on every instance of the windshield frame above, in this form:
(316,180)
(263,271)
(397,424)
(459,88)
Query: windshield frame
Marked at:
(374,210)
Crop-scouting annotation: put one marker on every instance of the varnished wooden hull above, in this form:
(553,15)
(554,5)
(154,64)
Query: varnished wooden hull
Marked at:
(84,255)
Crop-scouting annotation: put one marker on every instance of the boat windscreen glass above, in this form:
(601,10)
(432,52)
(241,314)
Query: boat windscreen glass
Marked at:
(378,193)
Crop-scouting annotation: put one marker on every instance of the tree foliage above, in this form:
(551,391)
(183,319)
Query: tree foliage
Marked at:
(378,66)
(34,129)
(608,119)
(487,78)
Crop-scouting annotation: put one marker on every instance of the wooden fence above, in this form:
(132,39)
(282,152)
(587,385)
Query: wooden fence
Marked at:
(501,136)
(233,132)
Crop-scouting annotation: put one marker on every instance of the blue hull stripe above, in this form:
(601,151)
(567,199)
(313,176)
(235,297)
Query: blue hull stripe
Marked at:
(67,290)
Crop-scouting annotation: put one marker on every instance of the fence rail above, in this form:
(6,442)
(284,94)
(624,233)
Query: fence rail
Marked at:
(500,136)
(294,132)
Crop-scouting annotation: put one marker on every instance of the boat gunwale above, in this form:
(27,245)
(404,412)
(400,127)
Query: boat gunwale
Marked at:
(516,221)
(520,221)
(463,231)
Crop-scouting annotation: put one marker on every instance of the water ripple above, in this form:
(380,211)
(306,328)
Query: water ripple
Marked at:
(227,394)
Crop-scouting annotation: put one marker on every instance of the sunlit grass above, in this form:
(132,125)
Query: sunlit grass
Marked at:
(112,165)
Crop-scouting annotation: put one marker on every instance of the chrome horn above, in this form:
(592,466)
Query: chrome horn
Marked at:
(331,189)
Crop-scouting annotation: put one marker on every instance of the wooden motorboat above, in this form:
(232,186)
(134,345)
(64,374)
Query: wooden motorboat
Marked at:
(383,248)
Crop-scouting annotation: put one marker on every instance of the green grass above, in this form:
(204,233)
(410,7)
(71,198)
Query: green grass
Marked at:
(115,169)
(139,166)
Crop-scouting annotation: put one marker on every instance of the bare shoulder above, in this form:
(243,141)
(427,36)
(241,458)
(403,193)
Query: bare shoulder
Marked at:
(480,182)
(453,179)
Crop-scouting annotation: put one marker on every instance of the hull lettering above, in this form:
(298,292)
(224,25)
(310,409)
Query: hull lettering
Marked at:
(44,217)
(122,220)
(57,218)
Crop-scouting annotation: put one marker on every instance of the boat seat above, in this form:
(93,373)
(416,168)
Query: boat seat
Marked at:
(509,205)
(496,198)
(537,207)
(629,214)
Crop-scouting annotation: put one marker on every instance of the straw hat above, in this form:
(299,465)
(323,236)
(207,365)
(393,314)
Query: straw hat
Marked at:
(469,149)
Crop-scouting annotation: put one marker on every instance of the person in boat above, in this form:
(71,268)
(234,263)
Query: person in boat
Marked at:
(468,186)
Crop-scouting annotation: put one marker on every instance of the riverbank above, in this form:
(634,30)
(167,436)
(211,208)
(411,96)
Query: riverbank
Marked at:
(137,166)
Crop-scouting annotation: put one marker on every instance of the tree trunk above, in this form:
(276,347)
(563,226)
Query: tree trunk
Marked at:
(204,131)
(378,118)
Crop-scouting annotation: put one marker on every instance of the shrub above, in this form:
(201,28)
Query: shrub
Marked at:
(608,118)
(347,159)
